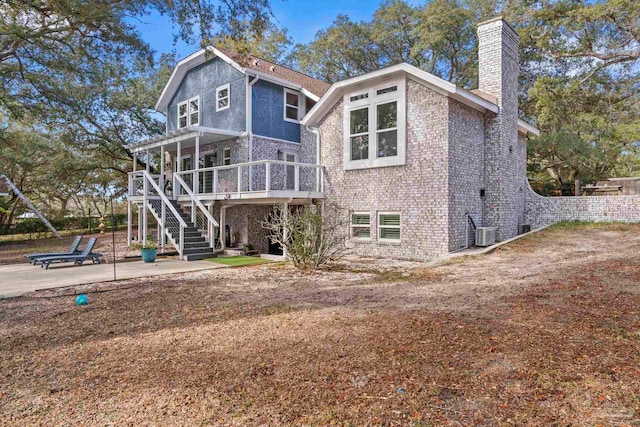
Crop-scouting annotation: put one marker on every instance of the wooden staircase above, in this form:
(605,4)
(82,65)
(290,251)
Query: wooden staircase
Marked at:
(195,246)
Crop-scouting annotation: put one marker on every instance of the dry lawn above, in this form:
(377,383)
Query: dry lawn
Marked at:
(545,331)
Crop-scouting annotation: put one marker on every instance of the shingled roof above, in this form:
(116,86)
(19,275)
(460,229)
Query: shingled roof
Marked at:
(313,85)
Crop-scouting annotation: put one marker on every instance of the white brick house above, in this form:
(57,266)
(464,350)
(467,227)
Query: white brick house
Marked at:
(416,159)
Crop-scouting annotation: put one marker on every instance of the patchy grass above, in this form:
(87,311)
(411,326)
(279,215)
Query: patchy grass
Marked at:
(239,261)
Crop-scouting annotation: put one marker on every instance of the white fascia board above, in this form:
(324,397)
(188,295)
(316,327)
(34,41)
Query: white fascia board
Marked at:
(176,77)
(185,65)
(436,83)
(527,128)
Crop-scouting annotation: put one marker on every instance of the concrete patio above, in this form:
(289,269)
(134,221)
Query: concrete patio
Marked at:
(19,279)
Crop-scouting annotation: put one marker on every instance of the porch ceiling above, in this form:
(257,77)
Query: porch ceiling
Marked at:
(185,135)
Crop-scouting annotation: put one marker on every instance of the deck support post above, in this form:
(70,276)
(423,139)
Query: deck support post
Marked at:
(285,230)
(145,205)
(139,224)
(163,219)
(223,226)
(129,222)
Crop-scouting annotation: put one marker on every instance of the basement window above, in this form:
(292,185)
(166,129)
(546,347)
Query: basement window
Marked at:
(389,226)
(361,225)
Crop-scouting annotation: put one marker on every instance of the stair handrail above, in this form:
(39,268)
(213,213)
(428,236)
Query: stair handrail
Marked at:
(168,203)
(200,206)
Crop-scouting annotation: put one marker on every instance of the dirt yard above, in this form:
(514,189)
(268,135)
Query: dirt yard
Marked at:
(544,331)
(13,252)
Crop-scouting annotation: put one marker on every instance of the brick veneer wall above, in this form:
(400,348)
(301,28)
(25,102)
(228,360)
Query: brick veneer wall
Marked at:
(541,211)
(419,190)
(466,171)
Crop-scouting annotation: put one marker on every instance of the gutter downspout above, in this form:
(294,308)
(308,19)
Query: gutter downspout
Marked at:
(249,123)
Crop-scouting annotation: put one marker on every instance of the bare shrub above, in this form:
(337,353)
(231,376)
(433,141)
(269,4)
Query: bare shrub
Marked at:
(311,235)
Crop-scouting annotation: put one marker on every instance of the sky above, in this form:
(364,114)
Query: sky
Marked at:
(303,18)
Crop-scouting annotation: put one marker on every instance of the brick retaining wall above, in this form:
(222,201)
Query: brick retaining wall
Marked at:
(541,211)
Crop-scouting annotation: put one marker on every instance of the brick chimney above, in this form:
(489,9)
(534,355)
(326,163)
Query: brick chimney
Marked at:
(498,72)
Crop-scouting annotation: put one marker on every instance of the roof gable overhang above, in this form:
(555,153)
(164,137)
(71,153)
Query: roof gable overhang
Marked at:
(203,56)
(436,83)
(439,85)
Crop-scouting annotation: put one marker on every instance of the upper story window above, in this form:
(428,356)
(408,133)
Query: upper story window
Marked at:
(374,123)
(226,156)
(291,106)
(189,113)
(222,97)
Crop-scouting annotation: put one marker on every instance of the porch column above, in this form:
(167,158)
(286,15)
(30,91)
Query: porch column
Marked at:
(176,193)
(148,166)
(161,179)
(129,222)
(196,178)
(135,161)
(285,230)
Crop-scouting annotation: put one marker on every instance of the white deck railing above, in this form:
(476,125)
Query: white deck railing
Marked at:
(259,178)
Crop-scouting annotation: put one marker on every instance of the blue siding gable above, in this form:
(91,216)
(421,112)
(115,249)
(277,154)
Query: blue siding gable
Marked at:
(202,81)
(268,112)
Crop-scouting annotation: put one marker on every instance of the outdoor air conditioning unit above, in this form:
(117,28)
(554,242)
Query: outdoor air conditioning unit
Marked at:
(485,236)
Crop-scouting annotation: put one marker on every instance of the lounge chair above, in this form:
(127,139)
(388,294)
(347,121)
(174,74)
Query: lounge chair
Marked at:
(78,259)
(249,250)
(73,250)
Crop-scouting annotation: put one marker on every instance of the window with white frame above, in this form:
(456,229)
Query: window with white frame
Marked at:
(291,105)
(222,97)
(389,226)
(189,113)
(226,156)
(375,126)
(361,225)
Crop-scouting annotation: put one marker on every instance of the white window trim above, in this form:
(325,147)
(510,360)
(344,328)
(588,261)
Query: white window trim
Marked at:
(220,89)
(379,227)
(224,156)
(285,105)
(359,226)
(372,102)
(188,103)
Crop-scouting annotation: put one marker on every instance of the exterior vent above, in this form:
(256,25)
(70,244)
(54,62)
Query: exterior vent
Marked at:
(485,236)
(524,228)
(256,62)
(272,68)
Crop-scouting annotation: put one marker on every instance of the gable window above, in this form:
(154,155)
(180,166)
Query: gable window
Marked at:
(183,118)
(387,129)
(226,156)
(361,225)
(189,113)
(359,133)
(389,226)
(291,106)
(222,97)
(374,123)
